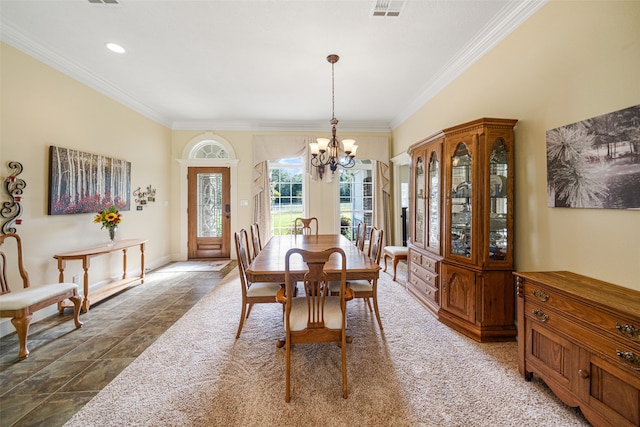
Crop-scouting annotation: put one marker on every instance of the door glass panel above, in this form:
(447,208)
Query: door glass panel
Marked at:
(461,206)
(209,206)
(498,201)
(434,201)
(420,204)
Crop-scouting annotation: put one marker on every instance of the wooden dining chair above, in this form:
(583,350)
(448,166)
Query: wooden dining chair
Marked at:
(318,316)
(252,293)
(255,239)
(305,225)
(361,235)
(366,289)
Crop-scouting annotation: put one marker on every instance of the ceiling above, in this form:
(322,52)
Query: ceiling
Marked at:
(261,65)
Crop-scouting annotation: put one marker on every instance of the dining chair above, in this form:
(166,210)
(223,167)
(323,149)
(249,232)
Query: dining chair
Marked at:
(255,239)
(305,225)
(361,235)
(366,289)
(318,316)
(252,293)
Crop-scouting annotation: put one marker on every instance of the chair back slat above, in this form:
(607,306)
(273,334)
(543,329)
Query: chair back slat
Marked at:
(305,225)
(243,255)
(255,239)
(375,244)
(4,283)
(361,235)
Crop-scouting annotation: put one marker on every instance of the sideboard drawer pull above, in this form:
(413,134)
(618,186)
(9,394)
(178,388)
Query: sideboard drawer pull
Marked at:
(630,358)
(538,293)
(629,331)
(541,315)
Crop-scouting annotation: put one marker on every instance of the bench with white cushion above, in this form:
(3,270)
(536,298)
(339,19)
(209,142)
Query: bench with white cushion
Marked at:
(21,304)
(396,253)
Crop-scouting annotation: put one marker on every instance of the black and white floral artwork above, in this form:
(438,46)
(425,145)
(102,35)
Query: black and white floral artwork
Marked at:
(595,163)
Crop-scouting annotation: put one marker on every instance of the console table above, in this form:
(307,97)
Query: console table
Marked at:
(85,256)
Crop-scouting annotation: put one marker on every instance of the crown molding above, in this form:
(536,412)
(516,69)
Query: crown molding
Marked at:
(279,125)
(509,18)
(15,38)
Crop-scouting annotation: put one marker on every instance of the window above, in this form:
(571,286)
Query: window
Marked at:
(210,150)
(287,189)
(356,197)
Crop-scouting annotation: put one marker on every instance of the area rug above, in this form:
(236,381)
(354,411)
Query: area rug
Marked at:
(416,372)
(193,266)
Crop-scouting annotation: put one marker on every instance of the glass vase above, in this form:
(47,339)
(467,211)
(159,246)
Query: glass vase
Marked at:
(112,235)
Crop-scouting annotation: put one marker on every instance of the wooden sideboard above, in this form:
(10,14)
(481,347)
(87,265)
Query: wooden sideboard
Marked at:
(85,256)
(582,337)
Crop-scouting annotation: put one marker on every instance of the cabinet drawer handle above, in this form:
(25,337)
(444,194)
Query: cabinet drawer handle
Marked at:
(629,331)
(541,315)
(630,358)
(538,293)
(583,374)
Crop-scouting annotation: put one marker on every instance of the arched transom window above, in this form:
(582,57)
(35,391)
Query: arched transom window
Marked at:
(210,150)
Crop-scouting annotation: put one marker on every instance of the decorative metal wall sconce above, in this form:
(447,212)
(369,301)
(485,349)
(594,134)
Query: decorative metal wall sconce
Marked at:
(142,197)
(12,210)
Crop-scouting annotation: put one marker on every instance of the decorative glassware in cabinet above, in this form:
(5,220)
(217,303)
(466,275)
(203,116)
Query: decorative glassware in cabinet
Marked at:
(461,205)
(498,205)
(434,201)
(418,237)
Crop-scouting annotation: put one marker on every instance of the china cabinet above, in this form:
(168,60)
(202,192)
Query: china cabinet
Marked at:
(461,243)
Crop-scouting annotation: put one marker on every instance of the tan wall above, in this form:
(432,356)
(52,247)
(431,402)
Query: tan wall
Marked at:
(43,107)
(569,62)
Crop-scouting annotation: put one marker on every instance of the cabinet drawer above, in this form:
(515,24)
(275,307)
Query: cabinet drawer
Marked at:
(415,257)
(616,327)
(621,352)
(426,287)
(430,264)
(425,275)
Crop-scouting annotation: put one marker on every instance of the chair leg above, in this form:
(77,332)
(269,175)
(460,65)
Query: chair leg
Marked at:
(384,259)
(242,314)
(369,303)
(249,310)
(375,304)
(395,265)
(22,328)
(77,306)
(345,392)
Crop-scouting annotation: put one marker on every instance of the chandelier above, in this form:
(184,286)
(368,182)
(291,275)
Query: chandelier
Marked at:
(326,151)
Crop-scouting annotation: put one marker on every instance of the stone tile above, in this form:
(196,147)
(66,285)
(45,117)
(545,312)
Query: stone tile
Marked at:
(12,374)
(92,349)
(155,327)
(98,375)
(15,407)
(56,410)
(51,378)
(131,346)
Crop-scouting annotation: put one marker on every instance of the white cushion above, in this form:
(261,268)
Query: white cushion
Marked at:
(263,289)
(360,285)
(299,313)
(25,297)
(396,250)
(355,285)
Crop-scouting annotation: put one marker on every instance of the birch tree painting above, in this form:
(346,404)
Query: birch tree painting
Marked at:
(595,163)
(83,182)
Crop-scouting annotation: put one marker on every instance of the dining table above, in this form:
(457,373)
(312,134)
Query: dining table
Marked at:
(269,264)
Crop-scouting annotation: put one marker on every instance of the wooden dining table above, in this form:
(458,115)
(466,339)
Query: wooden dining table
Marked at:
(269,265)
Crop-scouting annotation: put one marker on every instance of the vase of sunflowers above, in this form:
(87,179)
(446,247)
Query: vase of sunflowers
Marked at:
(109,218)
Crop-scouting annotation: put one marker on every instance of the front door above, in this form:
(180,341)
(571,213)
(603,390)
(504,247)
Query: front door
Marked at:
(209,213)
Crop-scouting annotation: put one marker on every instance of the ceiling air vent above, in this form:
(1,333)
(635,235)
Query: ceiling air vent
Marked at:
(390,8)
(103,1)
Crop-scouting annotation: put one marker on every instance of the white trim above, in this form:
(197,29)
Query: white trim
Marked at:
(185,163)
(401,159)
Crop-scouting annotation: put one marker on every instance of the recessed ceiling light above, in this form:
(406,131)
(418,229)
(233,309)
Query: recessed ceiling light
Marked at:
(113,47)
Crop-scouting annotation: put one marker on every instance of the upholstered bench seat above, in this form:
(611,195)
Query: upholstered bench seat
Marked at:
(396,253)
(21,299)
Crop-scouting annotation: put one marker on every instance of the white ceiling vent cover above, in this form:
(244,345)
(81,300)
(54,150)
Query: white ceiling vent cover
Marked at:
(388,8)
(103,1)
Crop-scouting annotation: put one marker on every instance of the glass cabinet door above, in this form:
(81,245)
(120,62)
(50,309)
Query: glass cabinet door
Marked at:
(434,202)
(461,205)
(498,205)
(419,184)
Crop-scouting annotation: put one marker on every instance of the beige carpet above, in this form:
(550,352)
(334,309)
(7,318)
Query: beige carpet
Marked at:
(193,266)
(416,373)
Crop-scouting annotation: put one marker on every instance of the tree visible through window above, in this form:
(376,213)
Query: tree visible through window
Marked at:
(287,189)
(356,198)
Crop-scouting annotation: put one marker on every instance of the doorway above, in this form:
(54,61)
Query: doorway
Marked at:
(209,213)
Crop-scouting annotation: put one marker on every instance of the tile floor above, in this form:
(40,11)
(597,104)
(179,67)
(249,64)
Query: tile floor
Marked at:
(67,367)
